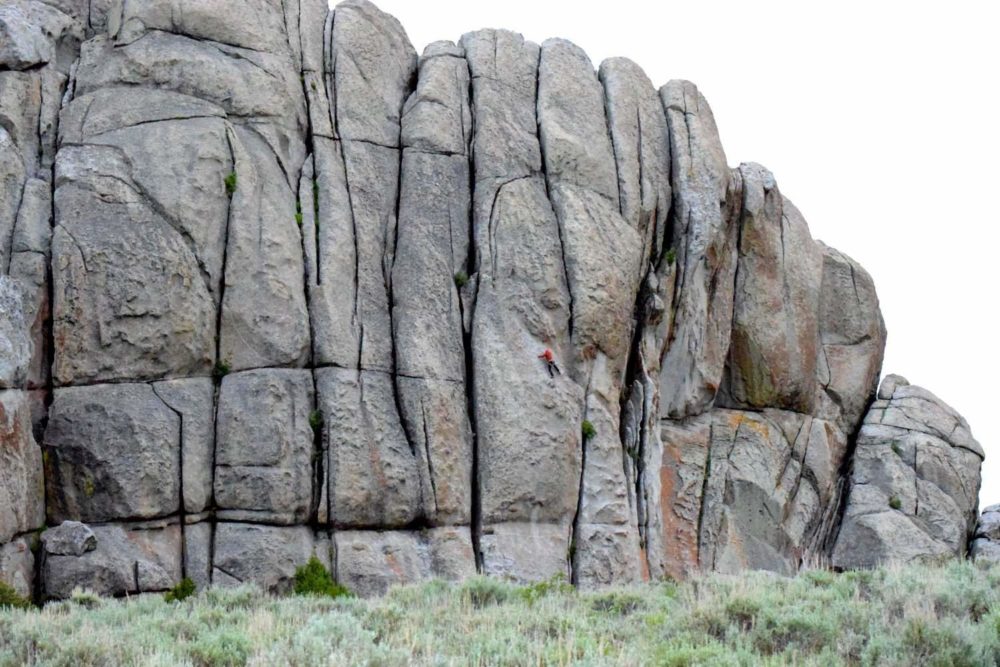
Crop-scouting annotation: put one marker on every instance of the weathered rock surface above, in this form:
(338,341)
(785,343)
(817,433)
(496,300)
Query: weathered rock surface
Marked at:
(22,505)
(266,447)
(705,241)
(15,345)
(272,286)
(126,559)
(914,486)
(368,563)
(113,453)
(986,544)
(265,555)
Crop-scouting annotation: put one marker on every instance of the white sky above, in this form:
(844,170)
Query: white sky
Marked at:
(880,120)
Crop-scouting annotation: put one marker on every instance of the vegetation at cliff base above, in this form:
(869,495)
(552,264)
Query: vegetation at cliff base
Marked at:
(912,616)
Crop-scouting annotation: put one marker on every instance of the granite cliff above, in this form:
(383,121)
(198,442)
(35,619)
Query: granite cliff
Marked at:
(277,286)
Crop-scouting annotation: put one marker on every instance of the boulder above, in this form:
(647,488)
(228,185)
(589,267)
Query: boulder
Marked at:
(70,538)
(914,483)
(986,542)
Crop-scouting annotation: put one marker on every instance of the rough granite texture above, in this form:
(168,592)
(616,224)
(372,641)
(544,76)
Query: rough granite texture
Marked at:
(273,286)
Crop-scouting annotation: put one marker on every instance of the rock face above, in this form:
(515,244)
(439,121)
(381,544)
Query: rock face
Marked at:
(986,545)
(273,286)
(914,486)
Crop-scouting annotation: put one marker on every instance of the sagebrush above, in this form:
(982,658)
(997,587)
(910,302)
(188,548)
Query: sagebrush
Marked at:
(911,616)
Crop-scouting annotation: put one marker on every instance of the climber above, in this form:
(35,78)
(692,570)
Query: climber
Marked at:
(550,362)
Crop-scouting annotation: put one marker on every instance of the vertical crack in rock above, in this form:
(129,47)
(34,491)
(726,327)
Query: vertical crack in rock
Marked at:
(603,256)
(181,513)
(502,200)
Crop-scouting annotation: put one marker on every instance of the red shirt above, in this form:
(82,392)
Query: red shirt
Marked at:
(546,355)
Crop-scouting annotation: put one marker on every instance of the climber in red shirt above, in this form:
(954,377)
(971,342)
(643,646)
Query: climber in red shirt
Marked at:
(550,362)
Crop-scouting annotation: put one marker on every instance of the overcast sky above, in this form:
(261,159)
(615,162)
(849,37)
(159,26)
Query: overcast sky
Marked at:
(881,121)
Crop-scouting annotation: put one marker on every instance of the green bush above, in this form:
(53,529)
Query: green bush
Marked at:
(231,184)
(220,370)
(314,579)
(532,593)
(895,503)
(316,420)
(181,591)
(587,429)
(671,257)
(10,599)
(461,279)
(485,591)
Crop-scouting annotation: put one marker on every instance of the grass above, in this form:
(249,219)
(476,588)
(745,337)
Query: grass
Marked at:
(461,279)
(230,181)
(587,429)
(919,616)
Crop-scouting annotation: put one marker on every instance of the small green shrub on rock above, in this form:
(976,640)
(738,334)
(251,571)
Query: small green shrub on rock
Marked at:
(221,370)
(587,429)
(314,579)
(895,503)
(9,599)
(231,184)
(316,420)
(461,279)
(181,591)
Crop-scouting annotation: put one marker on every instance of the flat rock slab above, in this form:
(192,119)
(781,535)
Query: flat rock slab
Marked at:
(114,453)
(368,563)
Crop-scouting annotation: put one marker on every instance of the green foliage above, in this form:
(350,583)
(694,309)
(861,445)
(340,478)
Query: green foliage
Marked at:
(921,615)
(587,429)
(181,591)
(485,591)
(9,599)
(895,503)
(314,579)
(231,184)
(298,212)
(461,279)
(84,598)
(316,420)
(557,585)
(671,257)
(221,370)
(897,449)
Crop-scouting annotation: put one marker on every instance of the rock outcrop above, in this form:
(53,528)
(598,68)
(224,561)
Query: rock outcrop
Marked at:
(986,545)
(275,287)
